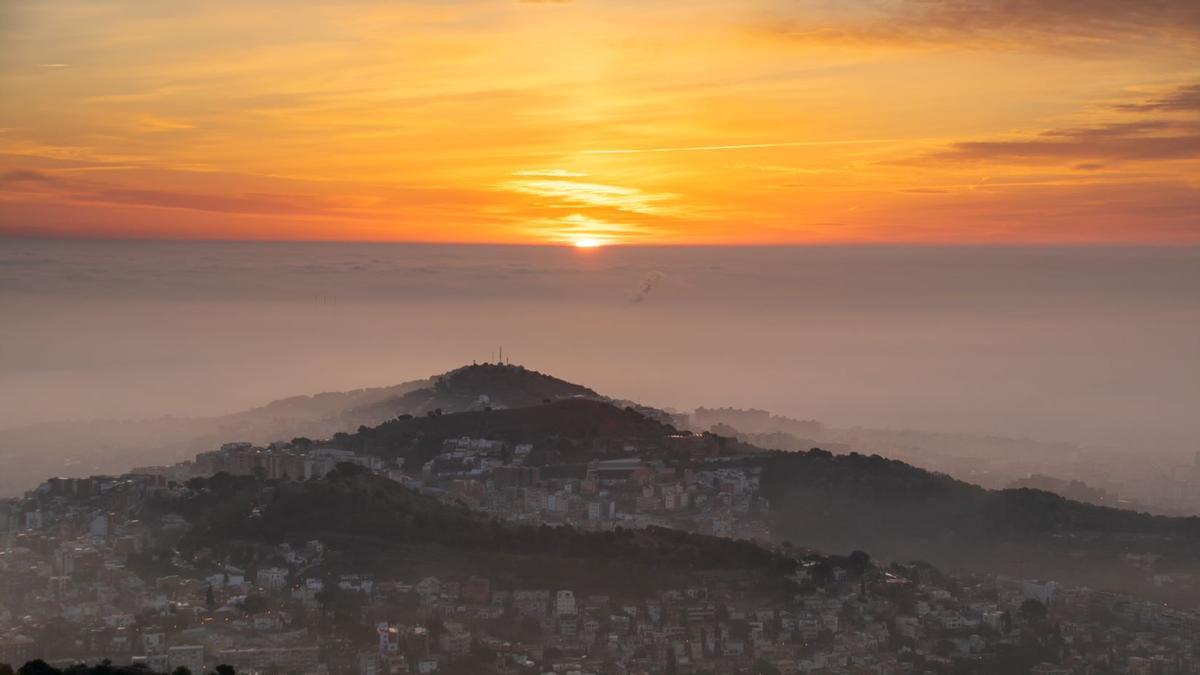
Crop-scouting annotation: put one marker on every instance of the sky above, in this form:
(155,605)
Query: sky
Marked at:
(593,122)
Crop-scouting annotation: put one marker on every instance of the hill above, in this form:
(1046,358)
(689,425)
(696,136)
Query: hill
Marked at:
(818,499)
(492,385)
(842,502)
(564,430)
(374,524)
(848,501)
(901,512)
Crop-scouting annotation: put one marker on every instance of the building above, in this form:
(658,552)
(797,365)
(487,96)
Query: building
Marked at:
(287,659)
(272,578)
(564,603)
(186,656)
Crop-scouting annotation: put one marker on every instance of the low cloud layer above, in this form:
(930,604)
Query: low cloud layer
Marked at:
(1091,343)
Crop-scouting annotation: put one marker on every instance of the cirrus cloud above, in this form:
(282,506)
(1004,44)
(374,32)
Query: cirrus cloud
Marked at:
(1143,140)
(1017,24)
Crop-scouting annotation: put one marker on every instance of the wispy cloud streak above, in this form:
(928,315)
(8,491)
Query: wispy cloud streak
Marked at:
(738,146)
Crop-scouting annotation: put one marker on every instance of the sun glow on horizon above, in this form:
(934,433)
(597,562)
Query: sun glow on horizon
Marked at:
(667,124)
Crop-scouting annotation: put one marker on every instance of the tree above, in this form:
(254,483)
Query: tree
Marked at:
(225,670)
(821,573)
(6,669)
(1032,610)
(858,562)
(38,667)
(254,604)
(181,670)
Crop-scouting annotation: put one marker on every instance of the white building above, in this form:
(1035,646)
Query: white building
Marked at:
(1042,592)
(272,578)
(564,603)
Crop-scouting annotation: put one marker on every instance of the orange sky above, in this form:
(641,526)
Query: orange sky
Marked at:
(604,121)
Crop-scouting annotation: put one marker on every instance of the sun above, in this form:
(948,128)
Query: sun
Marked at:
(587,243)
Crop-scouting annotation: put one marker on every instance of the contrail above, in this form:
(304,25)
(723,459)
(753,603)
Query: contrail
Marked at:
(743,146)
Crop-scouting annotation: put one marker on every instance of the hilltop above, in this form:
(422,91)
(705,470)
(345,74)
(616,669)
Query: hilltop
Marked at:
(495,385)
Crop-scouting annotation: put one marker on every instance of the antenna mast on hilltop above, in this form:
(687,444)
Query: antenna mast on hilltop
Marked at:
(499,356)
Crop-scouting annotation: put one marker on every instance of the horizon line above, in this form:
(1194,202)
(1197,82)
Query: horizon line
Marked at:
(1029,244)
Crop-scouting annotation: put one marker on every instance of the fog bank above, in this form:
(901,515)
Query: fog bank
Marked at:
(1093,345)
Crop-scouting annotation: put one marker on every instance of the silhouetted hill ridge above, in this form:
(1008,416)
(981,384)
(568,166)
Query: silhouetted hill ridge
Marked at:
(897,511)
(480,386)
(563,426)
(374,522)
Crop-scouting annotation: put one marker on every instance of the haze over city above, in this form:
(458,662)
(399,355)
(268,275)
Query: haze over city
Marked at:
(600,337)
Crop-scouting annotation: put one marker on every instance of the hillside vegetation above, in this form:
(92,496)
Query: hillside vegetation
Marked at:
(564,428)
(901,512)
(372,523)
